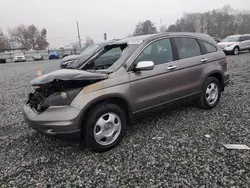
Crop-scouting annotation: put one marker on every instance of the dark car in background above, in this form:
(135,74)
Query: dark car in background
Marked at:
(54,55)
(75,61)
(2,60)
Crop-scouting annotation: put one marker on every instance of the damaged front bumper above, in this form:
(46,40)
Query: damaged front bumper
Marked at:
(48,109)
(58,120)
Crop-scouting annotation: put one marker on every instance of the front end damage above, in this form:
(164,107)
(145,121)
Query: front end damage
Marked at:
(58,93)
(59,88)
(48,108)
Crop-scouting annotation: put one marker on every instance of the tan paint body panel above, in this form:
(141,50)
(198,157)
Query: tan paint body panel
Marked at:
(117,85)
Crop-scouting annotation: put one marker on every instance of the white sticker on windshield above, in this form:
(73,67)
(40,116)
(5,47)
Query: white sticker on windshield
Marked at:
(135,42)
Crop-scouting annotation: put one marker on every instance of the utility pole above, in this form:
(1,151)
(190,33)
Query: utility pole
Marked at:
(161,22)
(79,38)
(202,24)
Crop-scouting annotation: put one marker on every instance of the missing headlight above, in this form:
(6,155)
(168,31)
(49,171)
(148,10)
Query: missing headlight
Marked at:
(60,98)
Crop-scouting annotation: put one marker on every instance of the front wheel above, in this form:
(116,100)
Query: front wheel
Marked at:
(105,127)
(236,50)
(211,93)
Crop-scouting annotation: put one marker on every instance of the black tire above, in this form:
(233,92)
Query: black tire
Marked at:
(203,103)
(88,127)
(236,50)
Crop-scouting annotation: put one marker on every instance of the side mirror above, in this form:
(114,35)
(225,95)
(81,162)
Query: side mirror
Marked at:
(145,65)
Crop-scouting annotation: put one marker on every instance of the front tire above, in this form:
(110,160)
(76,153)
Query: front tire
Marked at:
(104,128)
(211,93)
(236,50)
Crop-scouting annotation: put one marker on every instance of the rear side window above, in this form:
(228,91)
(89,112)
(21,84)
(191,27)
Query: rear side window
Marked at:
(247,37)
(187,47)
(209,48)
(242,38)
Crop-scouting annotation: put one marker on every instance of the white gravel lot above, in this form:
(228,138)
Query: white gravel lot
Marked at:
(168,149)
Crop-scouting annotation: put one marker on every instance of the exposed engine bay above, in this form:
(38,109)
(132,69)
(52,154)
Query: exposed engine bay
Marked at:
(60,88)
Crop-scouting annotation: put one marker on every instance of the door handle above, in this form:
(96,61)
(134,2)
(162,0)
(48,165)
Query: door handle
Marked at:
(171,67)
(204,60)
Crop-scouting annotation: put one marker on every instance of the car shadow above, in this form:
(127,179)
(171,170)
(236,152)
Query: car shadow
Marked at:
(64,146)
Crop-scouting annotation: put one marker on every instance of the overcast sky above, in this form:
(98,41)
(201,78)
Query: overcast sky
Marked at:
(115,17)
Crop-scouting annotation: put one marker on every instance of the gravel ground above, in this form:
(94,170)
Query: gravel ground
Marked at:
(165,150)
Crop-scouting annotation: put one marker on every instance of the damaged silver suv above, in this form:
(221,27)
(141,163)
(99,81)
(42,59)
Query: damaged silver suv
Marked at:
(140,74)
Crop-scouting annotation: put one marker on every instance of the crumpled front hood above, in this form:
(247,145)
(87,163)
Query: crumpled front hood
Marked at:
(70,57)
(67,75)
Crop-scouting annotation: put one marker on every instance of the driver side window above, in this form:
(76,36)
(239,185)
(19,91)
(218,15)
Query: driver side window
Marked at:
(159,52)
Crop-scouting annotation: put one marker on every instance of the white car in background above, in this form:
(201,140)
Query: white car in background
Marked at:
(19,57)
(235,43)
(37,57)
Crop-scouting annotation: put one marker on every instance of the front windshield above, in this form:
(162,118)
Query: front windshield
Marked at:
(231,39)
(110,56)
(90,49)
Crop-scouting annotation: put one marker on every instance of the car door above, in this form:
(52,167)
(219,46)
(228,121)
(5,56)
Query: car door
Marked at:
(160,85)
(247,42)
(243,43)
(191,66)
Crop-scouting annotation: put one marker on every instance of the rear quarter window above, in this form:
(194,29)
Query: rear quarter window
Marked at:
(247,37)
(242,38)
(207,47)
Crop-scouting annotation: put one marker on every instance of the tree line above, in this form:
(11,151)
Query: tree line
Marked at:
(30,37)
(24,37)
(218,23)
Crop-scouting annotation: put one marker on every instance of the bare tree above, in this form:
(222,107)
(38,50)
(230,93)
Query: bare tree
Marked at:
(75,45)
(4,41)
(29,37)
(163,29)
(88,41)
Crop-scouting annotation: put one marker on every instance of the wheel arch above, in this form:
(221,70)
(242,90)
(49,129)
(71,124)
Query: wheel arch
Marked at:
(219,76)
(236,46)
(117,99)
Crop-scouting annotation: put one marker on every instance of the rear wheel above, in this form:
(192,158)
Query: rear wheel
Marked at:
(236,50)
(211,93)
(105,127)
